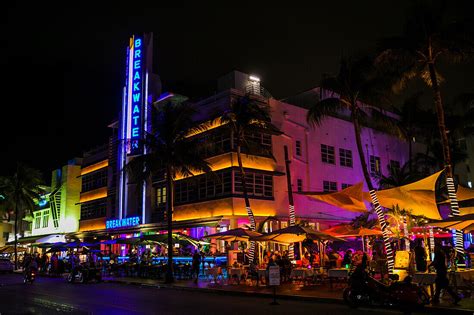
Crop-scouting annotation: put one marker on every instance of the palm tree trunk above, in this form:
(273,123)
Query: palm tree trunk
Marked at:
(373,195)
(169,217)
(16,238)
(247,201)
(410,155)
(453,200)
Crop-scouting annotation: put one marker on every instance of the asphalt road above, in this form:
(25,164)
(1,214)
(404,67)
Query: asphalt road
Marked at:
(55,296)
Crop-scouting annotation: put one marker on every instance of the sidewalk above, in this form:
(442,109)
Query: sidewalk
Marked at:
(315,293)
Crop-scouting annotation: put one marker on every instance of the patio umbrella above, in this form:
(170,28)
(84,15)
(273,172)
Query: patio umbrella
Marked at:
(55,249)
(11,249)
(79,244)
(233,235)
(177,238)
(294,234)
(346,230)
(130,241)
(463,222)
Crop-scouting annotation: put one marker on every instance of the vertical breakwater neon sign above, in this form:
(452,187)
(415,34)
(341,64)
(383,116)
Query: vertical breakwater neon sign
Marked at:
(135,95)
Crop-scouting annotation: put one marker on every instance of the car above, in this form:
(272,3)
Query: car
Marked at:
(6,265)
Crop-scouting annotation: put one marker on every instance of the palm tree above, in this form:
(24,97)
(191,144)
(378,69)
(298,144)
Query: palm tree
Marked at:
(244,117)
(170,149)
(21,190)
(428,39)
(398,177)
(413,121)
(357,81)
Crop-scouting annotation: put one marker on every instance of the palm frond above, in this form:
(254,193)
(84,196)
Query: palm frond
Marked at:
(326,107)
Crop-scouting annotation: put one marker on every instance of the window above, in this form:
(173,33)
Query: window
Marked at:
(258,143)
(375,165)
(394,166)
(329,186)
(327,154)
(94,180)
(345,157)
(215,143)
(203,187)
(258,184)
(94,209)
(344,186)
(45,218)
(299,185)
(38,220)
(298,148)
(160,196)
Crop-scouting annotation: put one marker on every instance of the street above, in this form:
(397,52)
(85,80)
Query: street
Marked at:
(55,296)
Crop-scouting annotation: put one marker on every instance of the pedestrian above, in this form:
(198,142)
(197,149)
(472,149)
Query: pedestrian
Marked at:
(44,262)
(442,281)
(196,264)
(203,261)
(54,264)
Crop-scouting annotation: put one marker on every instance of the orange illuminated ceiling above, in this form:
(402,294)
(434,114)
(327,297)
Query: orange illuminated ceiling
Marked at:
(223,207)
(92,224)
(205,127)
(230,160)
(93,194)
(94,167)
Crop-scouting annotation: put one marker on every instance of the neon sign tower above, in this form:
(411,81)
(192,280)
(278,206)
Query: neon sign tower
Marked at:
(134,123)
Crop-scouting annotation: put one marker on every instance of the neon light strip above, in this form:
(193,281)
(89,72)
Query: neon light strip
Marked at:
(164,96)
(145,123)
(122,152)
(130,87)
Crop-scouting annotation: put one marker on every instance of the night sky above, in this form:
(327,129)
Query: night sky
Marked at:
(63,67)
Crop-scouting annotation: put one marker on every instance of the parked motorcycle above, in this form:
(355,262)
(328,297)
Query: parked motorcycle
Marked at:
(363,289)
(29,276)
(83,274)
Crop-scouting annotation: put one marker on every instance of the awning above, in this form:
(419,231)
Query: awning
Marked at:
(418,197)
(350,198)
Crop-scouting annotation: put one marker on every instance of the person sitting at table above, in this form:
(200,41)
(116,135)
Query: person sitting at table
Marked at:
(305,260)
(333,256)
(286,267)
(253,271)
(347,261)
(420,256)
(357,258)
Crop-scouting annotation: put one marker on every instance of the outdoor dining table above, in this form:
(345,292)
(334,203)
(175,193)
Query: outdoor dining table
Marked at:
(301,273)
(425,279)
(214,272)
(338,274)
(238,273)
(462,278)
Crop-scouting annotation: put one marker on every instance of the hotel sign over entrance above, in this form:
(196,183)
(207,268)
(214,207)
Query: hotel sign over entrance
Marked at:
(135,95)
(121,223)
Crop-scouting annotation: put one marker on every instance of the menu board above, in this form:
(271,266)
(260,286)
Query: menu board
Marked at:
(274,275)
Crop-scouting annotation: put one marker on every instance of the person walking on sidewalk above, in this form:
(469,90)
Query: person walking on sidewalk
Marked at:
(196,265)
(442,281)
